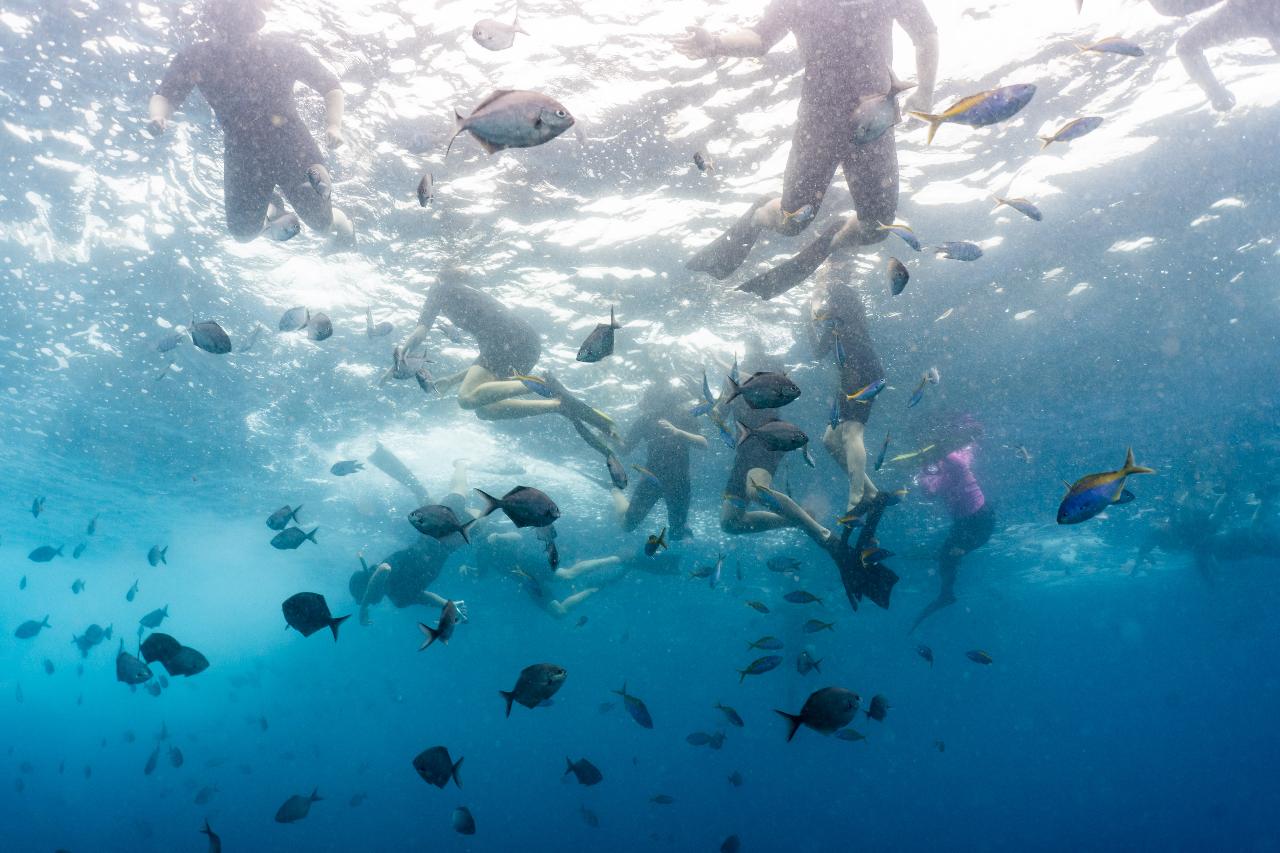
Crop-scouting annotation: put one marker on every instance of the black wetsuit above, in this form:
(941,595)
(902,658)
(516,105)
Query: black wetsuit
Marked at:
(508,344)
(249,85)
(847,47)
(845,319)
(413,570)
(668,459)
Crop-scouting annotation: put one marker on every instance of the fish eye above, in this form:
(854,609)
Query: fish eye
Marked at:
(561,114)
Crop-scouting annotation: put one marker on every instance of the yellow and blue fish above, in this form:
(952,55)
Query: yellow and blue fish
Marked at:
(1090,495)
(982,109)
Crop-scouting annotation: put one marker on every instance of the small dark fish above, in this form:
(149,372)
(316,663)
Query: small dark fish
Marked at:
(879,708)
(308,612)
(37,507)
(93,526)
(806,663)
(449,617)
(205,794)
(599,344)
(704,163)
(652,545)
(758,606)
(582,620)
(1023,206)
(513,119)
(978,656)
(152,761)
(75,555)
(617,473)
(48,667)
(1073,129)
(153,619)
(77,586)
(698,739)
(375,330)
(210,337)
(175,756)
(295,319)
(662,799)
(357,799)
(320,328)
(318,177)
(783,564)
(439,521)
(464,823)
(291,537)
(215,842)
(280,519)
(850,735)
(801,596)
(436,767)
(186,662)
(884,448)
(825,711)
(345,467)
(537,683)
(940,746)
(778,436)
(588,816)
(813,626)
(925,652)
(585,772)
(297,807)
(22,582)
(426,190)
(133,591)
(731,715)
(759,666)
(764,390)
(732,844)
(768,644)
(44,554)
(524,505)
(30,628)
(158,555)
(959,250)
(898,276)
(735,779)
(635,707)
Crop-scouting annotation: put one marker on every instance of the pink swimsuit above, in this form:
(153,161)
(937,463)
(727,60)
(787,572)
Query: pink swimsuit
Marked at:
(953,480)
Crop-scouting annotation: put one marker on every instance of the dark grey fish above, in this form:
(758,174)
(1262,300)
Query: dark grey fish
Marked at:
(22,582)
(30,628)
(158,555)
(294,319)
(346,467)
(806,663)
(172,342)
(588,816)
(308,612)
(152,761)
(599,344)
(291,537)
(537,683)
(731,715)
(210,337)
(813,626)
(175,756)
(186,662)
(37,506)
(320,328)
(635,707)
(133,591)
(436,767)
(735,779)
(759,666)
(768,643)
(318,177)
(77,585)
(875,114)
(778,436)
(731,845)
(825,711)
(439,521)
(464,823)
(159,647)
(524,505)
(617,472)
(280,519)
(44,554)
(698,739)
(297,807)
(426,190)
(449,616)
(764,390)
(129,669)
(357,799)
(898,276)
(215,843)
(801,596)
(959,250)
(48,667)
(93,526)
(783,564)
(154,618)
(850,735)
(879,708)
(925,652)
(662,799)
(584,771)
(513,119)
(75,555)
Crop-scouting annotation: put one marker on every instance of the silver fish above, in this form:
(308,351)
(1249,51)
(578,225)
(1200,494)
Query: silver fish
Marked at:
(495,35)
(512,118)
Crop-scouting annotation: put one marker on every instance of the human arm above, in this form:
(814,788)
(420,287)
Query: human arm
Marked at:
(691,437)
(700,43)
(914,18)
(179,80)
(334,104)
(312,72)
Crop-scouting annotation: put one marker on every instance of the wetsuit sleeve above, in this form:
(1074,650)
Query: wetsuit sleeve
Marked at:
(307,68)
(179,80)
(776,23)
(640,432)
(915,19)
(431,308)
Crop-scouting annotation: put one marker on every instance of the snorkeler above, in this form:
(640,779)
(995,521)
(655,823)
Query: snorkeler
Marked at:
(1234,20)
(1196,526)
(668,430)
(509,347)
(950,477)
(248,81)
(847,49)
(838,324)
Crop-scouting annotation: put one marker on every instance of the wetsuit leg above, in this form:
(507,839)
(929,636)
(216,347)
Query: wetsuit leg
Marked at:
(643,499)
(677,492)
(247,190)
(297,153)
(1231,22)
(871,172)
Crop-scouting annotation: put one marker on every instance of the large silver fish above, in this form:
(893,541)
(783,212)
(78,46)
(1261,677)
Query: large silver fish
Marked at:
(513,118)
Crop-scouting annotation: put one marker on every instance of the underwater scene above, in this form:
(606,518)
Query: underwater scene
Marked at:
(740,425)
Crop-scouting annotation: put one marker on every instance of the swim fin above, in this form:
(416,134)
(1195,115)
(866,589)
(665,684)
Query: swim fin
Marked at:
(791,272)
(721,258)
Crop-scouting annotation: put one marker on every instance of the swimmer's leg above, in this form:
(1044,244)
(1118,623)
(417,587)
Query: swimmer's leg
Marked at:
(643,499)
(388,463)
(1226,24)
(948,565)
(737,520)
(796,515)
(561,608)
(247,192)
(720,258)
(593,566)
(492,398)
(845,444)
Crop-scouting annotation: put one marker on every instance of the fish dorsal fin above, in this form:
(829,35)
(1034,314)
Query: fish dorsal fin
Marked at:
(493,96)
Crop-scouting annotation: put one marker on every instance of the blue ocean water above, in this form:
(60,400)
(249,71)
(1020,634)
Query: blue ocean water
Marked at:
(1126,707)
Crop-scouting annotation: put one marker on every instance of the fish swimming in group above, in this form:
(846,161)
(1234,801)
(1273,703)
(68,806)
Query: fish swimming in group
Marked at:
(524,505)
(92,527)
(320,328)
(925,652)
(983,109)
(735,779)
(807,663)
(176,658)
(826,711)
(884,448)
(767,643)
(875,114)
(291,538)
(898,276)
(375,330)
(297,807)
(763,390)
(734,718)
(959,250)
(175,756)
(77,586)
(878,709)
(867,393)
(75,555)
(295,319)
(495,35)
(1073,129)
(801,596)
(758,606)
(783,564)
(464,823)
(512,118)
(617,473)
(426,191)
(215,842)
(732,844)
(584,771)
(133,591)
(280,519)
(37,507)
(635,707)
(813,626)
(153,619)
(704,163)
(779,436)
(599,344)
(588,816)
(1093,493)
(158,555)
(1112,44)
(30,628)
(130,669)
(1021,205)
(759,666)
(22,582)
(851,735)
(449,617)
(436,767)
(210,337)
(172,341)
(308,612)
(536,684)
(978,656)
(44,553)
(345,468)
(439,521)
(321,183)
(653,543)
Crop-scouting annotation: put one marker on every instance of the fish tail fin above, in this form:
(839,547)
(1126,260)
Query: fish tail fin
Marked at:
(662,539)
(508,698)
(1131,468)
(45,621)
(164,554)
(613,323)
(295,513)
(315,795)
(742,675)
(935,121)
(623,691)
(458,120)
(462,531)
(490,503)
(744,432)
(430,633)
(1045,141)
(208,830)
(793,723)
(817,665)
(568,766)
(335,622)
(312,535)
(897,87)
(455,772)
(734,390)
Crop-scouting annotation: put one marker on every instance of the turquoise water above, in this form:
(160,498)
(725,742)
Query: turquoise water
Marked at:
(1124,708)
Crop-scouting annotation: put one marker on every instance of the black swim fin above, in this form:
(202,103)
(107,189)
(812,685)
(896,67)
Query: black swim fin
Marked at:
(721,258)
(789,273)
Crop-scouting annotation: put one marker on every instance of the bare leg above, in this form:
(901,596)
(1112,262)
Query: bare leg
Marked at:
(582,567)
(448,383)
(796,515)
(738,521)
(845,445)
(492,398)
(620,503)
(1225,25)
(562,607)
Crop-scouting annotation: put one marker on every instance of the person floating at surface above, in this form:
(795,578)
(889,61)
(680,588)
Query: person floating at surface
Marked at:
(950,477)
(1234,20)
(248,80)
(668,430)
(847,48)
(509,347)
(838,325)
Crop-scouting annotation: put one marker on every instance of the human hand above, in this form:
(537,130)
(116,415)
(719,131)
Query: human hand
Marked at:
(462,610)
(667,426)
(467,571)
(698,44)
(334,136)
(1222,100)
(919,102)
(157,126)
